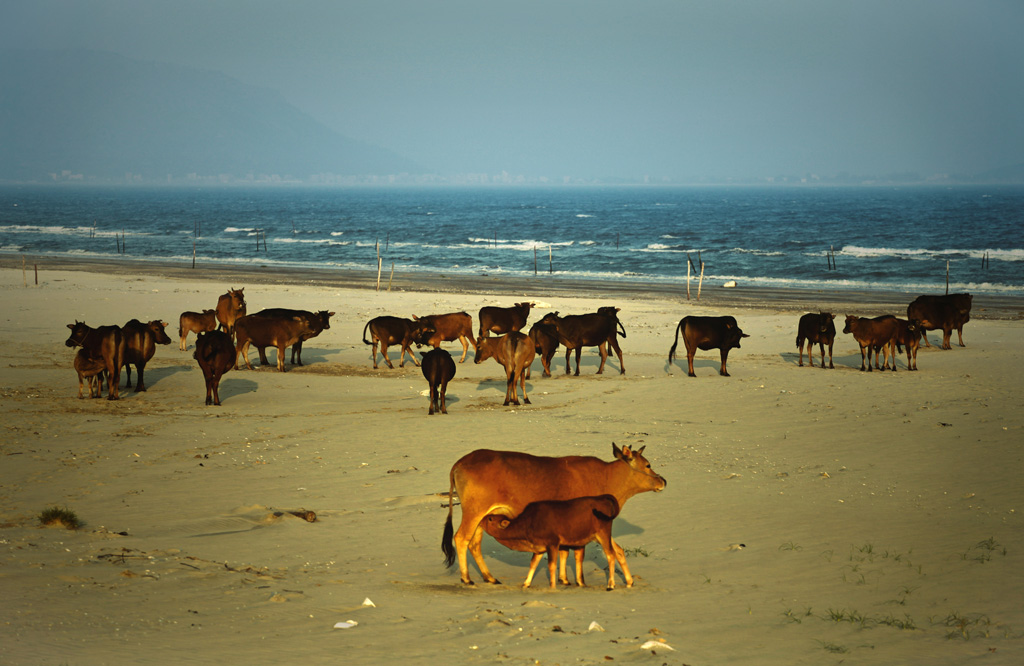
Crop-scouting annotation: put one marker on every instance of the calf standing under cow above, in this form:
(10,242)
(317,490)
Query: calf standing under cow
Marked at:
(216,356)
(105,343)
(547,526)
(438,368)
(707,333)
(505,482)
(90,371)
(515,352)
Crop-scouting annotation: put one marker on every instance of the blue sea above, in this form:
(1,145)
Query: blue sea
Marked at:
(781,237)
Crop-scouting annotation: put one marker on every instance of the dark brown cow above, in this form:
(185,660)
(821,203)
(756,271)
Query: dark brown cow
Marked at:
(946,312)
(505,482)
(448,328)
(908,334)
(547,526)
(195,322)
(388,330)
(873,334)
(438,369)
(230,308)
(216,356)
(816,327)
(90,371)
(317,322)
(722,333)
(140,341)
(264,332)
(515,352)
(105,343)
(545,342)
(503,320)
(595,329)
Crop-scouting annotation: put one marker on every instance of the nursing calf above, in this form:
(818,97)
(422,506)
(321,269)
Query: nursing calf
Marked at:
(105,344)
(515,352)
(90,371)
(547,526)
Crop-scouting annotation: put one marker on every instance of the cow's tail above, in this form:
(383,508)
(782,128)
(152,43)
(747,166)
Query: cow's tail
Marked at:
(799,341)
(622,329)
(365,341)
(672,351)
(448,538)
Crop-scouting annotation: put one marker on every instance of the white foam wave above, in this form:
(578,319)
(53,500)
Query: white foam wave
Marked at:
(337,233)
(583,215)
(914,253)
(311,241)
(758,253)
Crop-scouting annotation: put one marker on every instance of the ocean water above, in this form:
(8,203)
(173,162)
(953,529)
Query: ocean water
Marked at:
(882,238)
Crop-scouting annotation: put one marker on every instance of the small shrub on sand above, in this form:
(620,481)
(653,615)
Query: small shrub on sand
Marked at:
(60,517)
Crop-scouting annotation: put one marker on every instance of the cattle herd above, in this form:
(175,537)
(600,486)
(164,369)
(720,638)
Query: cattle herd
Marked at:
(529,503)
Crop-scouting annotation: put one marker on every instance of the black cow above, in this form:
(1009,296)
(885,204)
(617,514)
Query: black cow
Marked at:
(216,356)
(140,341)
(438,368)
(707,333)
(316,322)
(946,312)
(816,328)
(104,343)
(545,341)
(596,329)
(503,320)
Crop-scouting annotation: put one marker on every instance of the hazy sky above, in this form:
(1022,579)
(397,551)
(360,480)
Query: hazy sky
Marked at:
(673,88)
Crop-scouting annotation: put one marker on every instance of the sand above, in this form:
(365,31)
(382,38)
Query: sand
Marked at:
(881,513)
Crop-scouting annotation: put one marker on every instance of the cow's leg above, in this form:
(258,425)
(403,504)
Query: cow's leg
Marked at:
(128,373)
(444,391)
(580,552)
(263,355)
(545,360)
(689,364)
(725,356)
(800,349)
(924,336)
(81,382)
(865,353)
(140,383)
(245,354)
(568,352)
(297,353)
(578,350)
(534,561)
(383,352)
(603,350)
(563,555)
(181,342)
(113,378)
(553,566)
(960,335)
(947,333)
(605,541)
(510,386)
(522,381)
(892,353)
(280,357)
(831,367)
(618,352)
(620,557)
(465,347)
(478,556)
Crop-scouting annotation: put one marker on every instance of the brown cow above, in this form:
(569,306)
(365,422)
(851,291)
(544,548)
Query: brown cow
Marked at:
(505,482)
(816,327)
(388,330)
(707,333)
(946,312)
(140,341)
(876,334)
(547,526)
(195,322)
(230,308)
(503,320)
(216,356)
(515,352)
(448,328)
(596,329)
(268,332)
(90,371)
(545,342)
(438,369)
(106,343)
(317,322)
(908,334)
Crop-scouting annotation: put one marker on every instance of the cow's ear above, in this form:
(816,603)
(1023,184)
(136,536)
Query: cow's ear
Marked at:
(330,314)
(616,451)
(415,318)
(71,326)
(744,335)
(832,315)
(640,451)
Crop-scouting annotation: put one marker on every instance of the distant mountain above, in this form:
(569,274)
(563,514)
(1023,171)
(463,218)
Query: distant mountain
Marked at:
(101,116)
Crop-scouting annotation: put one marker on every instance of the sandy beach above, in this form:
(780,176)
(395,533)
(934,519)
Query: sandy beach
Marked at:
(880,513)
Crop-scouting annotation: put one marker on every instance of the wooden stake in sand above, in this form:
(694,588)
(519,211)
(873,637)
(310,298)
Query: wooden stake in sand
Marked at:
(24,278)
(947,277)
(688,265)
(700,282)
(551,265)
(534,259)
(35,267)
(193,253)
(392,275)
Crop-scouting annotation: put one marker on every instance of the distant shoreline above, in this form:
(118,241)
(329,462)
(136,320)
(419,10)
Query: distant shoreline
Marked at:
(713,296)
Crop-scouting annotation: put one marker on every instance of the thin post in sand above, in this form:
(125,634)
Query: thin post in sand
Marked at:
(35,267)
(24,278)
(700,282)
(534,259)
(392,275)
(551,265)
(947,277)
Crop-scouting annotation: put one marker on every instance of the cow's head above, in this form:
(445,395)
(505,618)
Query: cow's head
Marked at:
(78,332)
(159,335)
(850,319)
(644,476)
(325,319)
(237,299)
(824,321)
(550,318)
(422,331)
(732,335)
(485,348)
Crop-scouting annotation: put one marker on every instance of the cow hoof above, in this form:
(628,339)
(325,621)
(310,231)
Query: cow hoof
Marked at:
(526,401)
(691,374)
